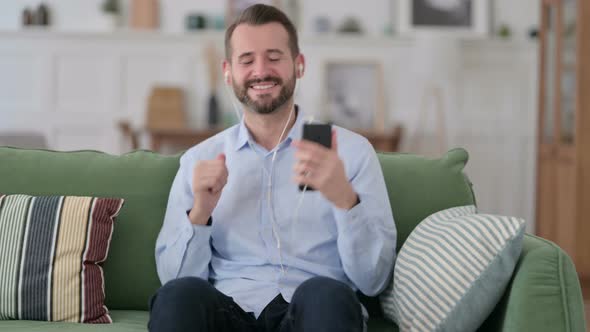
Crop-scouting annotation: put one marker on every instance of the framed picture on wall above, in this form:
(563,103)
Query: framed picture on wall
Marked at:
(353,96)
(468,18)
(235,7)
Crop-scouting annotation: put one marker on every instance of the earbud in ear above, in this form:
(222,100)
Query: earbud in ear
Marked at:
(226,77)
(300,69)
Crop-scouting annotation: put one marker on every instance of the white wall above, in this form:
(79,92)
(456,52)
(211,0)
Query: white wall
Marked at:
(491,108)
(374,14)
(74,87)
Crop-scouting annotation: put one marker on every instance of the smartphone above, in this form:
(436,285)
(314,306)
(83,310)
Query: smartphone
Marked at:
(319,133)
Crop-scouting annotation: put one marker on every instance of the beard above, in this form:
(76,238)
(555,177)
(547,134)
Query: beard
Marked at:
(265,104)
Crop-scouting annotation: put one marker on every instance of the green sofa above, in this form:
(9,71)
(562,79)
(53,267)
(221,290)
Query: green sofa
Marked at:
(543,295)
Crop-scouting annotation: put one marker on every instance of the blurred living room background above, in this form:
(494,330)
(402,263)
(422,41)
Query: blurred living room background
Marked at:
(420,76)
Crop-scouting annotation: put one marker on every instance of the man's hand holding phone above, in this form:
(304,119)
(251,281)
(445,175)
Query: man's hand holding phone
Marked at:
(319,167)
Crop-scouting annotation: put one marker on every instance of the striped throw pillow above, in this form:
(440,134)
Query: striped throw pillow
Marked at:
(452,270)
(51,248)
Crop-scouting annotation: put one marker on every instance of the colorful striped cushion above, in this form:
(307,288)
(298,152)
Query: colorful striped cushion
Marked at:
(452,270)
(51,248)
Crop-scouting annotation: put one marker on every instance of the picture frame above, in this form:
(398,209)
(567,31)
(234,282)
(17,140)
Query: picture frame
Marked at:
(235,7)
(354,95)
(466,18)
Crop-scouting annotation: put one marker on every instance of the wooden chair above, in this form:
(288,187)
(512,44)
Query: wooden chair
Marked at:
(131,135)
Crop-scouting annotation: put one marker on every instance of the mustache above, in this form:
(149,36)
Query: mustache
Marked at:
(269,78)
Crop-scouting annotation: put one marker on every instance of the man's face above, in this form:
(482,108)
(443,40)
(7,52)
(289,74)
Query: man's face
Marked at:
(263,70)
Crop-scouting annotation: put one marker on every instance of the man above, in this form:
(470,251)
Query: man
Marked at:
(241,249)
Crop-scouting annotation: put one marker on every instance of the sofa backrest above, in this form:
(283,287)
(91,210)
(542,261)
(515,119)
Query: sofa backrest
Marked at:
(142,178)
(417,187)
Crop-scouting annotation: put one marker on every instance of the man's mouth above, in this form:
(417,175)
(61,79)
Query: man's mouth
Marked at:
(261,87)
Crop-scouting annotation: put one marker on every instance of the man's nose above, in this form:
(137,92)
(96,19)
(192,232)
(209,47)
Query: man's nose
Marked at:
(261,69)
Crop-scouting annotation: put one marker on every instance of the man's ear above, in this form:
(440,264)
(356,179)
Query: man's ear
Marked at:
(226,69)
(299,65)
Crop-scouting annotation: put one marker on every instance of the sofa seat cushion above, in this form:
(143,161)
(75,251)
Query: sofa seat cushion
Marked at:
(131,321)
(123,321)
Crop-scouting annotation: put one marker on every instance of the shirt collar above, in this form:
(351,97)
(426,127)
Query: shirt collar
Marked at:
(294,134)
(243,136)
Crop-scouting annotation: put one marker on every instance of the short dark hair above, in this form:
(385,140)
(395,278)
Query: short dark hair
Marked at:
(260,14)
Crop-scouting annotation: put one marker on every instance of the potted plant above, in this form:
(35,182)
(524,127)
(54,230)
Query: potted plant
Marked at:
(111,13)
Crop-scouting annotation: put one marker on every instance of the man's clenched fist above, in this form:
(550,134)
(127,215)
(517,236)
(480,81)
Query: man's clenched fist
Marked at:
(209,178)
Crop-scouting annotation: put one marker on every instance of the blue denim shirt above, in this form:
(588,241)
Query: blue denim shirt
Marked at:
(239,251)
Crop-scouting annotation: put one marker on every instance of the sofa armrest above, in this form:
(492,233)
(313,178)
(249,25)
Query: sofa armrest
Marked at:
(543,295)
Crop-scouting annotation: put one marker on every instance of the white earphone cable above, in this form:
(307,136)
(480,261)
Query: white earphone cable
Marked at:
(274,223)
(269,197)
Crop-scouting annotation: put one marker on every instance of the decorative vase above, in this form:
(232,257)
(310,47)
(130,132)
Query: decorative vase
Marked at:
(196,22)
(27,17)
(41,16)
(144,14)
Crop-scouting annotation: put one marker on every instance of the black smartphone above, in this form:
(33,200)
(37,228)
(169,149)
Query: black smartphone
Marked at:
(319,133)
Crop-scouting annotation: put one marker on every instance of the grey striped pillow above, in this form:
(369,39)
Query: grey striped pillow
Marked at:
(452,270)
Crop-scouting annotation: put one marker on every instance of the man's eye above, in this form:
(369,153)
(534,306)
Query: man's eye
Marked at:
(247,62)
(275,59)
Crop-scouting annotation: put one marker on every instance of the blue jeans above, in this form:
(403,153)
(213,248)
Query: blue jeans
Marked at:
(192,304)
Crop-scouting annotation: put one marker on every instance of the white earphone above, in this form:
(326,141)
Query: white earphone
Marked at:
(226,77)
(300,69)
